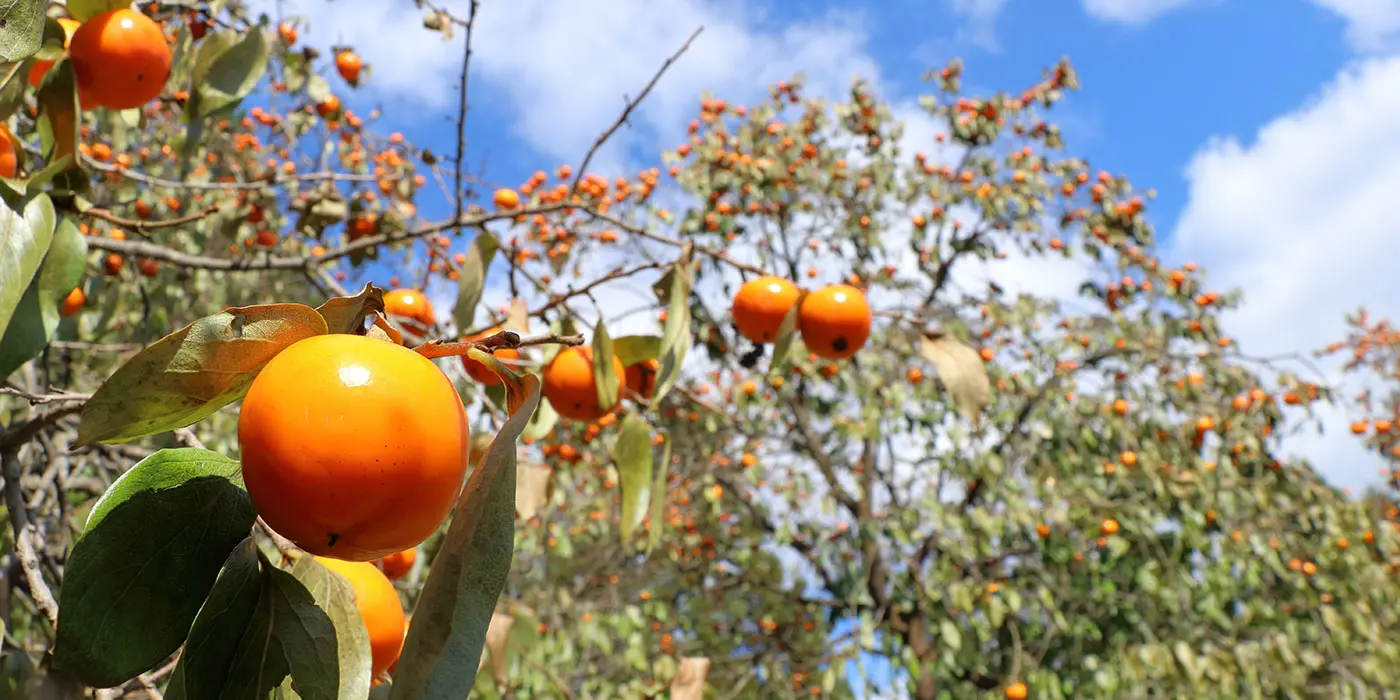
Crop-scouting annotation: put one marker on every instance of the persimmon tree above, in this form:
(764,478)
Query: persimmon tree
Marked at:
(852,431)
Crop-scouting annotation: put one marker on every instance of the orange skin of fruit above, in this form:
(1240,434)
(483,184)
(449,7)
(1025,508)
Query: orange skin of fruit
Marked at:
(641,378)
(379,607)
(73,303)
(506,199)
(120,58)
(41,68)
(9,161)
(835,321)
(398,564)
(411,304)
(353,447)
(761,304)
(481,372)
(570,387)
(348,64)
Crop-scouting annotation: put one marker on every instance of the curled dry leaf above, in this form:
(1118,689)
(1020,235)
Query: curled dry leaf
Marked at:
(532,490)
(961,371)
(689,683)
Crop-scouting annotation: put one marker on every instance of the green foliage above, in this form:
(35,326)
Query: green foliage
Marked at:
(36,317)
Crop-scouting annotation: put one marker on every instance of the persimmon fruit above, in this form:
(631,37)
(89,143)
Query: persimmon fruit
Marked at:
(760,306)
(9,159)
(73,303)
(571,387)
(835,321)
(349,65)
(353,447)
(414,310)
(120,58)
(481,372)
(641,377)
(398,564)
(379,607)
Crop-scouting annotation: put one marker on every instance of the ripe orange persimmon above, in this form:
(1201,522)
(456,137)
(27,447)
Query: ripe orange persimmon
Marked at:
(414,310)
(120,58)
(353,447)
(9,160)
(398,564)
(481,372)
(506,198)
(760,305)
(41,68)
(379,607)
(329,106)
(1017,691)
(73,303)
(835,321)
(348,64)
(570,386)
(641,377)
(287,32)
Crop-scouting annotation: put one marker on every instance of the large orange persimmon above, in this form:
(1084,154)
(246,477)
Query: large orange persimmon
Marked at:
(353,447)
(413,308)
(41,68)
(120,59)
(835,321)
(761,304)
(570,386)
(379,607)
(481,372)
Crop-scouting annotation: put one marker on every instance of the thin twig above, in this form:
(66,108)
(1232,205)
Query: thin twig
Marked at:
(504,339)
(459,197)
(25,535)
(142,227)
(43,398)
(631,105)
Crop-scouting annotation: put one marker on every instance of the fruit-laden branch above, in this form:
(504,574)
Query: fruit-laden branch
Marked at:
(627,110)
(717,254)
(504,339)
(271,179)
(202,262)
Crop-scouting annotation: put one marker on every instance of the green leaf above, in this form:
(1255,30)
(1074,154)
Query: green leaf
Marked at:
(258,664)
(633,455)
(444,644)
(348,314)
(542,422)
(658,497)
(675,335)
(219,629)
(605,379)
(21,29)
(349,646)
(37,316)
(227,68)
(321,632)
(787,331)
(148,556)
(12,84)
(471,280)
(631,349)
(26,230)
(193,372)
(950,634)
(317,88)
(83,10)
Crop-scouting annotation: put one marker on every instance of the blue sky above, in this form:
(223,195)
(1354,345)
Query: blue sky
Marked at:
(1266,126)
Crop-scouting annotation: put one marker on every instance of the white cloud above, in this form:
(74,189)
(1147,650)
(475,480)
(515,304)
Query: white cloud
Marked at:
(1372,25)
(1302,220)
(1131,11)
(980,18)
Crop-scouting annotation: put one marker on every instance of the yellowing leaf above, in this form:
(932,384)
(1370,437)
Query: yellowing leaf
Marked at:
(632,452)
(689,683)
(961,371)
(532,490)
(348,314)
(497,634)
(604,373)
(193,372)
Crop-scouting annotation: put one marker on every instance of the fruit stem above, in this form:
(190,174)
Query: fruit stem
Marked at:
(504,339)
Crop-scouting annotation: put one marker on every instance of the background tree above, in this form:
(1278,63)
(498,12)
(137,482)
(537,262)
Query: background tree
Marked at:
(1001,493)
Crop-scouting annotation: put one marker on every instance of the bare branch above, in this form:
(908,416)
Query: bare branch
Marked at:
(25,535)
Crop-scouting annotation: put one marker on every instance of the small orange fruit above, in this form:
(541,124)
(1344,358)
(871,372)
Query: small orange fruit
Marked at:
(120,58)
(328,107)
(353,447)
(348,64)
(760,306)
(398,564)
(641,378)
(73,303)
(1017,691)
(481,372)
(570,386)
(506,198)
(41,68)
(9,160)
(413,310)
(835,321)
(288,33)
(379,607)
(1109,527)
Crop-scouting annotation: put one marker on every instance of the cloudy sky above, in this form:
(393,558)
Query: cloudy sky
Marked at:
(1267,127)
